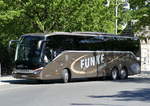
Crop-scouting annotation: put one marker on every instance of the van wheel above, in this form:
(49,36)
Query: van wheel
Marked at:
(114,74)
(66,76)
(123,73)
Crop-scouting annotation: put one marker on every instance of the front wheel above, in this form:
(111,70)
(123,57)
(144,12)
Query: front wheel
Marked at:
(114,74)
(66,76)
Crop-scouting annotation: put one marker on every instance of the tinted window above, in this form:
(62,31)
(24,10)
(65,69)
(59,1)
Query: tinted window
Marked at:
(93,43)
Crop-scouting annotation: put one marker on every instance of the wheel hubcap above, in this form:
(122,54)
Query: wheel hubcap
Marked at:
(123,73)
(66,77)
(114,74)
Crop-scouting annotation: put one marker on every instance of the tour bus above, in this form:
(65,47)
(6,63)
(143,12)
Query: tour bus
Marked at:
(69,55)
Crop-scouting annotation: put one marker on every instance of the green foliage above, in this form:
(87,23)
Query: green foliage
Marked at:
(140,12)
(28,16)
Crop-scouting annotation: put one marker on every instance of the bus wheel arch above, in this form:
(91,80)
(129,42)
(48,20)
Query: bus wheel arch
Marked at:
(123,73)
(66,75)
(114,73)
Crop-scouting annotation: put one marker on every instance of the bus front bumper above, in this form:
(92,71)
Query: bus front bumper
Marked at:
(28,74)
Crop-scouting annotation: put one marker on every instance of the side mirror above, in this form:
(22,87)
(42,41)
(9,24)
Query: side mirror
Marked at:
(11,48)
(12,41)
(40,43)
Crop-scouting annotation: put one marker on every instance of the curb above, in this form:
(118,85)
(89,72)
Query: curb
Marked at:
(5,78)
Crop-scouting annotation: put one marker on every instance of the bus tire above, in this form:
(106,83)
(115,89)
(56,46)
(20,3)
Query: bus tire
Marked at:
(114,74)
(66,76)
(40,81)
(123,73)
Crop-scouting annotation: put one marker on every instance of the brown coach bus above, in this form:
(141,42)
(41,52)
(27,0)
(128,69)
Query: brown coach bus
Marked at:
(65,55)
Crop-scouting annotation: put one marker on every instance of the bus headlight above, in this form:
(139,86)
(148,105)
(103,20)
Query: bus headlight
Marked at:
(38,71)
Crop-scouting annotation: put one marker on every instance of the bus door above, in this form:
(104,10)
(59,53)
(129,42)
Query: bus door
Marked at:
(90,64)
(100,63)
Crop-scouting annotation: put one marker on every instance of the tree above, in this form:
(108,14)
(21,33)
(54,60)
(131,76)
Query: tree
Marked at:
(24,16)
(140,13)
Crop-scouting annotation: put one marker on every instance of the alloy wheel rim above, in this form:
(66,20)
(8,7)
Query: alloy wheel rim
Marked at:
(114,74)
(123,73)
(66,76)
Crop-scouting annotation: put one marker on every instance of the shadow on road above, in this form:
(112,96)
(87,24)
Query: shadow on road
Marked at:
(90,104)
(34,82)
(135,80)
(85,104)
(136,95)
(31,82)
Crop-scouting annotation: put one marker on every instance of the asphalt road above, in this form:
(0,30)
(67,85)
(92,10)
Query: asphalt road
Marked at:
(134,91)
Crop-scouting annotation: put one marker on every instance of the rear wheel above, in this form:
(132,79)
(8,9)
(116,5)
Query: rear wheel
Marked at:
(66,76)
(114,74)
(123,74)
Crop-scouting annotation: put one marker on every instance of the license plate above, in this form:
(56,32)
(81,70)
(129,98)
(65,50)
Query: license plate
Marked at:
(24,71)
(24,76)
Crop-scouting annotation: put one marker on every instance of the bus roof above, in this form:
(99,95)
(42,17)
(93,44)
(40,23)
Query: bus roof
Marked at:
(77,34)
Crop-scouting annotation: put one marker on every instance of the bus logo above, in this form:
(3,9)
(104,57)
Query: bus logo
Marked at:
(91,61)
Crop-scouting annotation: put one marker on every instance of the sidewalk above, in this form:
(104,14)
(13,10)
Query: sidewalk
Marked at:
(5,78)
(144,74)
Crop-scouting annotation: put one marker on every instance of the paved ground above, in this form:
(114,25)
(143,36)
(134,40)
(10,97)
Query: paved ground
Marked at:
(144,74)
(134,91)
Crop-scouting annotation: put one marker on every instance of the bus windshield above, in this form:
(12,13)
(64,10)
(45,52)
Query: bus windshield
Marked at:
(27,52)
